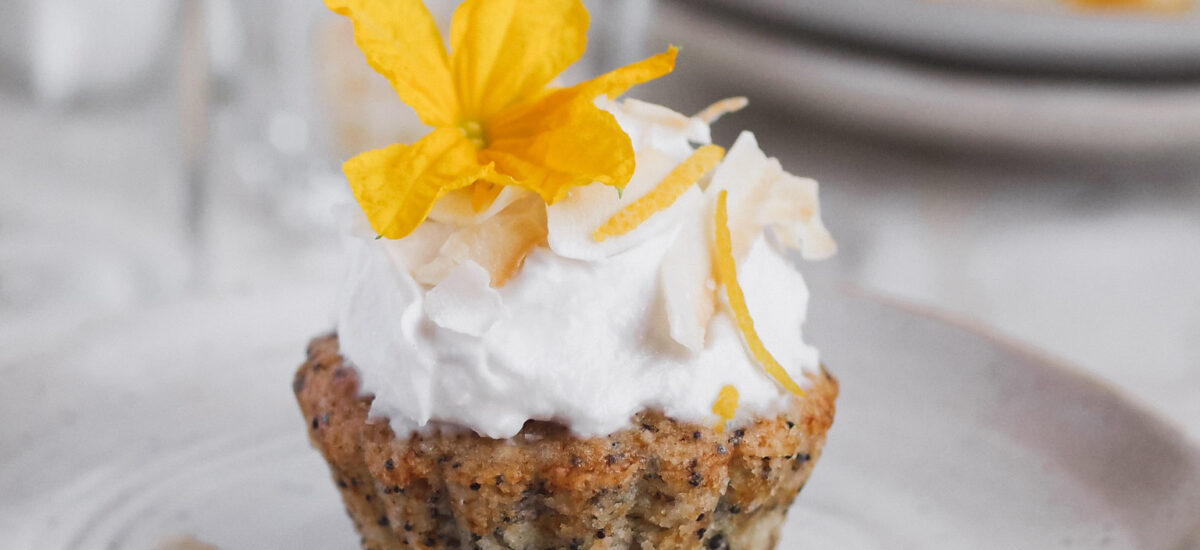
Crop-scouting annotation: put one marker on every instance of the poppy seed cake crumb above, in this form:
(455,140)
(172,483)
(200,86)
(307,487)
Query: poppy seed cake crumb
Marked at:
(660,484)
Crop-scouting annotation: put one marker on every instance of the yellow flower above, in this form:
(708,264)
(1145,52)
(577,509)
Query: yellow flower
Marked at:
(495,121)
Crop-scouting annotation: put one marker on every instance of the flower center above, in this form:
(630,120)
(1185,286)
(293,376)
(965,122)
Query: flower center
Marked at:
(473,131)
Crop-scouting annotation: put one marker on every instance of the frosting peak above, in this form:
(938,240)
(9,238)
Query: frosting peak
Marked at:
(587,332)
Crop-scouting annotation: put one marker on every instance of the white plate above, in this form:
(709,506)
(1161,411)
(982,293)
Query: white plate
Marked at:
(181,421)
(947,438)
(883,96)
(1016,34)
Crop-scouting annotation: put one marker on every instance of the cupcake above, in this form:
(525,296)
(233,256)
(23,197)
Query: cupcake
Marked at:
(568,320)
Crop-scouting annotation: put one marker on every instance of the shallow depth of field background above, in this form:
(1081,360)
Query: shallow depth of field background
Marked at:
(159,151)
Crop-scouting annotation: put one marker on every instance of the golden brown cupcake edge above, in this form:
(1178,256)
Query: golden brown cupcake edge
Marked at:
(659,484)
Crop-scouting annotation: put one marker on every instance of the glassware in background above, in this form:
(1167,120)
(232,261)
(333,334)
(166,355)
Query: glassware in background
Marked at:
(155,143)
(92,220)
(618,35)
(194,100)
(65,52)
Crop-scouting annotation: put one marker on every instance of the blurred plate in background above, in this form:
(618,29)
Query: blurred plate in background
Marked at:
(881,95)
(1044,35)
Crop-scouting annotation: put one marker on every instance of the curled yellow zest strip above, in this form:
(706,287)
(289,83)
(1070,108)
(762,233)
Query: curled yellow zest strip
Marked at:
(664,194)
(727,276)
(711,113)
(725,406)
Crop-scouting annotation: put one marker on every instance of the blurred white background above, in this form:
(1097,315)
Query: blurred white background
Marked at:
(158,151)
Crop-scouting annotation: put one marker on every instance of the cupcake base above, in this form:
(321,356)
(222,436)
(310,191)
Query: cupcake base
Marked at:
(659,484)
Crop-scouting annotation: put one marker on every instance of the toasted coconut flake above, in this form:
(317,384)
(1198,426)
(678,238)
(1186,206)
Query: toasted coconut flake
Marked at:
(573,219)
(682,178)
(653,126)
(686,278)
(458,207)
(465,302)
(725,407)
(747,174)
(498,244)
(715,111)
(419,247)
(656,114)
(726,271)
(794,214)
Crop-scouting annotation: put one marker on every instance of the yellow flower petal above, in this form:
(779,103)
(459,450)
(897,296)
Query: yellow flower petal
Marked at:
(727,276)
(793,212)
(663,195)
(397,185)
(563,139)
(516,119)
(617,82)
(483,194)
(505,51)
(401,42)
(725,407)
(575,144)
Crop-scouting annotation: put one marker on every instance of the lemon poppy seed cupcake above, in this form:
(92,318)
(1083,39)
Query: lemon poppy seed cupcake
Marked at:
(568,321)
(656,483)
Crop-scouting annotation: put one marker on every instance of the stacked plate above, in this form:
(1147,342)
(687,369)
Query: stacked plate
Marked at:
(1033,75)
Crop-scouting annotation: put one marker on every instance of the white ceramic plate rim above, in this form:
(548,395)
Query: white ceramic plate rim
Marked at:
(1054,39)
(295,309)
(964,110)
(1036,355)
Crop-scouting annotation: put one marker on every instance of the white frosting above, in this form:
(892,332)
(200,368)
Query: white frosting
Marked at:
(580,335)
